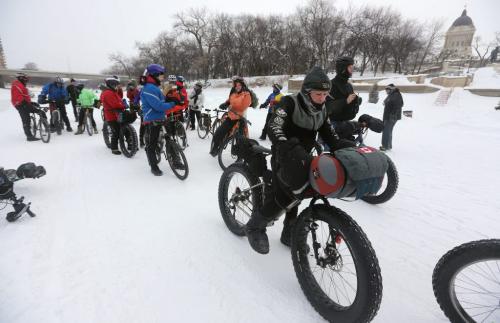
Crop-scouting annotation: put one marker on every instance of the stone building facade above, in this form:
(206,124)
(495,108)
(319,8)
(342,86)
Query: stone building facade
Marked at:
(459,37)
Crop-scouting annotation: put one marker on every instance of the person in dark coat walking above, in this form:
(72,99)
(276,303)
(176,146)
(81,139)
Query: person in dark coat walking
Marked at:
(392,113)
(73,95)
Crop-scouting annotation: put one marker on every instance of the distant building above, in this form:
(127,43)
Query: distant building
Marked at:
(459,37)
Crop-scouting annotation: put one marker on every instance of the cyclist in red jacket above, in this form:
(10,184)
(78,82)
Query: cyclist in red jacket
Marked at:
(112,104)
(21,100)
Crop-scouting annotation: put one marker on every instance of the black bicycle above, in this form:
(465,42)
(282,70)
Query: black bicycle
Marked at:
(170,149)
(333,259)
(87,124)
(177,128)
(206,125)
(127,136)
(57,121)
(466,282)
(227,155)
(40,125)
(7,195)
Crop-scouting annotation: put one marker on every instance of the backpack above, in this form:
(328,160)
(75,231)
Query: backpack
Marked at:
(255,99)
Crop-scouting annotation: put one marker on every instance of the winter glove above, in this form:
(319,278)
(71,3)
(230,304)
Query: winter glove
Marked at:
(262,106)
(224,106)
(294,162)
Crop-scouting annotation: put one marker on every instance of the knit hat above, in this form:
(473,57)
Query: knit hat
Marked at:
(316,79)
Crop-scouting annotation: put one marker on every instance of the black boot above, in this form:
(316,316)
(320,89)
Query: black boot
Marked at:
(32,138)
(156,170)
(288,224)
(255,230)
(286,234)
(263,135)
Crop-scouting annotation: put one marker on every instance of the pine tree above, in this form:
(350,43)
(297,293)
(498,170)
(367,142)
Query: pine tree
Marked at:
(3,63)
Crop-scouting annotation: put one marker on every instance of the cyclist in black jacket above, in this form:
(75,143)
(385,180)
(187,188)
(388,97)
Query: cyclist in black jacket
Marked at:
(345,103)
(293,128)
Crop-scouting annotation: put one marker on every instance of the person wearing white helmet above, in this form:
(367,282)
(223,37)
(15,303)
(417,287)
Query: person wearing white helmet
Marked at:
(196,100)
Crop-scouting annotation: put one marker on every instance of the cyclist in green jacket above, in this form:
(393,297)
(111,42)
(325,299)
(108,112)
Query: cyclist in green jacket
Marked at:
(86,100)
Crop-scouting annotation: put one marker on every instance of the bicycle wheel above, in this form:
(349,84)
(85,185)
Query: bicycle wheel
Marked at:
(215,126)
(43,126)
(34,125)
(466,282)
(204,126)
(106,134)
(88,123)
(128,140)
(176,159)
(180,135)
(225,155)
(388,188)
(240,192)
(336,265)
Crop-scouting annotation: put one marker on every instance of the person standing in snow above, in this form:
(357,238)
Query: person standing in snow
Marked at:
(196,100)
(345,103)
(392,113)
(112,104)
(58,98)
(134,98)
(73,95)
(239,101)
(154,109)
(86,99)
(271,101)
(293,128)
(21,100)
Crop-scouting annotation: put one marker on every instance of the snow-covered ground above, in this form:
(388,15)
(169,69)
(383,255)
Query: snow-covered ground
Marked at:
(113,243)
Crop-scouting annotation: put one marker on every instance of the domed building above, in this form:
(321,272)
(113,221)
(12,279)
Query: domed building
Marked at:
(459,37)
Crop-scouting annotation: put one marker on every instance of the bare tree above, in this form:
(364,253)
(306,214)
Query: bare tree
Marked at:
(30,66)
(121,60)
(481,49)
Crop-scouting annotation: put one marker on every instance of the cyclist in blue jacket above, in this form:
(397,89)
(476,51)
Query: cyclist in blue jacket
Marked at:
(57,97)
(153,109)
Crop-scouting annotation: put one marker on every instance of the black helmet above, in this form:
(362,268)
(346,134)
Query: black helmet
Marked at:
(341,64)
(22,77)
(316,79)
(112,82)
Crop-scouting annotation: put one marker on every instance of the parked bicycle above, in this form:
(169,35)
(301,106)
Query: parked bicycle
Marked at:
(466,282)
(333,259)
(40,125)
(226,155)
(206,125)
(127,136)
(7,195)
(172,152)
(89,122)
(176,127)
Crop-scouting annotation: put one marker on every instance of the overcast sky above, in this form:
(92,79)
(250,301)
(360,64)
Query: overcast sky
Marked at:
(78,36)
